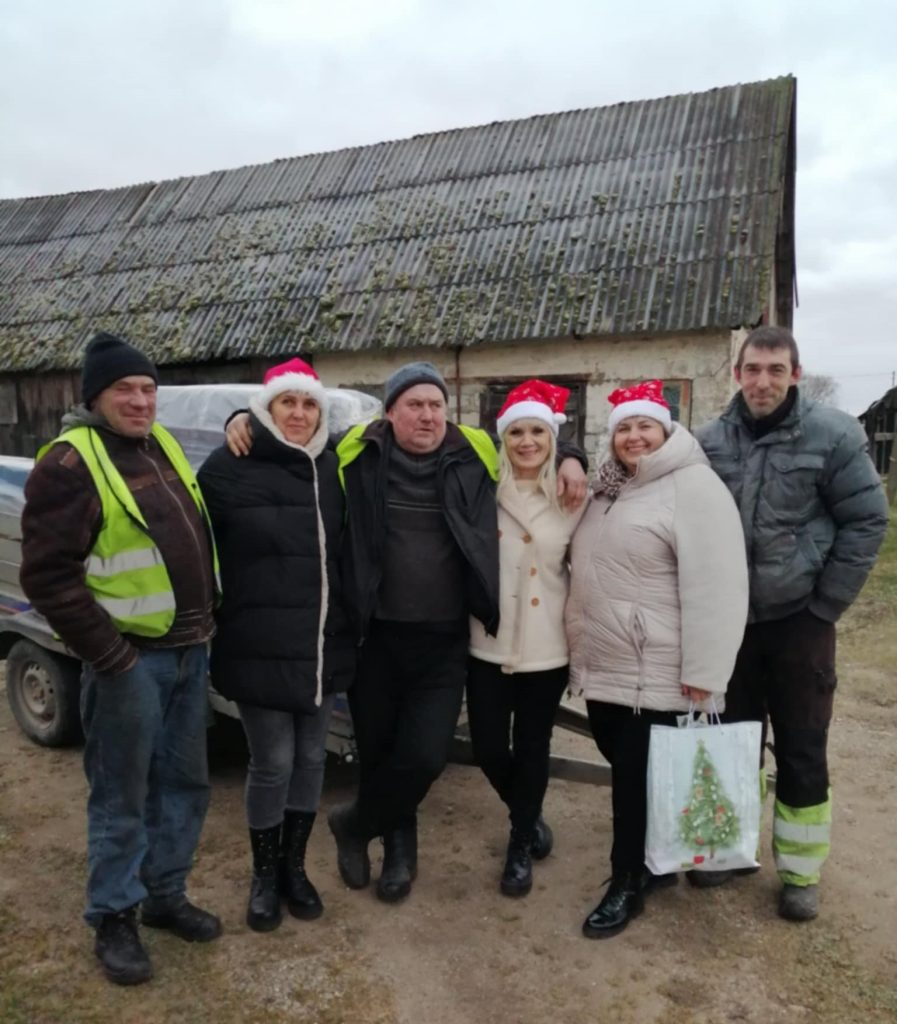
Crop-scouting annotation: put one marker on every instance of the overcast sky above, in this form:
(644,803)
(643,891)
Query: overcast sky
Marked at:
(98,93)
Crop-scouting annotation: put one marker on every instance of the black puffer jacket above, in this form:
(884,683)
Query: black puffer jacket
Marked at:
(266,526)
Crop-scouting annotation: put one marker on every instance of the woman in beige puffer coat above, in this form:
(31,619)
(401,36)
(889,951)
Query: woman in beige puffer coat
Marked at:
(657,608)
(516,678)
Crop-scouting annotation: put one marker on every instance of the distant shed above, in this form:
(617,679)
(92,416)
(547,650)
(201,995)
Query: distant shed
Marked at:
(591,247)
(880,423)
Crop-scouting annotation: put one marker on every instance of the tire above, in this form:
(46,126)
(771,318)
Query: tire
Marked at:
(44,693)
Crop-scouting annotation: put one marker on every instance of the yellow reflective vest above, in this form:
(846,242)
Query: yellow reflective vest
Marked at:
(352,445)
(124,570)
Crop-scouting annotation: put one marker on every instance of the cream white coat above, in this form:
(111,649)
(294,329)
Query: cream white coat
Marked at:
(534,537)
(659,591)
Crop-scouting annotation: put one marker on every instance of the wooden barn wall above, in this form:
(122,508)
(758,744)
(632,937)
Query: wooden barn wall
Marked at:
(32,406)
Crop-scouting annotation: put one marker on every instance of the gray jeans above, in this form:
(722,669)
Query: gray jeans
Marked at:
(286,761)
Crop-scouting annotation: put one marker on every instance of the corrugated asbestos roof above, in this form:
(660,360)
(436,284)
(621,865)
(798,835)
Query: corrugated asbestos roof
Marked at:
(645,217)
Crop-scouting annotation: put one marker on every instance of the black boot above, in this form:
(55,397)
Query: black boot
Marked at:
(623,901)
(351,847)
(517,877)
(399,863)
(303,900)
(176,914)
(263,913)
(119,950)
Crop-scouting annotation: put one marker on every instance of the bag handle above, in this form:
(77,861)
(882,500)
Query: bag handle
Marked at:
(695,714)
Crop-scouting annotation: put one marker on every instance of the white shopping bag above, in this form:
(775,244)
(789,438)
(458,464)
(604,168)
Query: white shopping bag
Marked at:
(703,797)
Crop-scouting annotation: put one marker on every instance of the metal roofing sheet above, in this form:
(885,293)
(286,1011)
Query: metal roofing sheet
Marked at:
(654,216)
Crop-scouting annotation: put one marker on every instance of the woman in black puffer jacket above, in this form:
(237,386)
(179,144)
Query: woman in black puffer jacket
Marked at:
(283,646)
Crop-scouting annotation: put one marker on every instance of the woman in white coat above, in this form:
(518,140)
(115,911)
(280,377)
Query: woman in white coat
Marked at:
(657,609)
(516,678)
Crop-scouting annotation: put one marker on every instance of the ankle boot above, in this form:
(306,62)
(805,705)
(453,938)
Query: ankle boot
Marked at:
(351,847)
(303,900)
(517,876)
(119,949)
(263,913)
(623,901)
(399,863)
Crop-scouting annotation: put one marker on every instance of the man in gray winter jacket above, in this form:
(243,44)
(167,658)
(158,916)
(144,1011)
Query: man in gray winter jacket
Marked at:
(814,515)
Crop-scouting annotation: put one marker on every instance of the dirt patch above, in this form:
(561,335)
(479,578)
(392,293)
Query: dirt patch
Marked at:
(458,952)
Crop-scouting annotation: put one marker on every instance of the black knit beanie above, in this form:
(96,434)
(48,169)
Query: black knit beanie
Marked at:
(108,359)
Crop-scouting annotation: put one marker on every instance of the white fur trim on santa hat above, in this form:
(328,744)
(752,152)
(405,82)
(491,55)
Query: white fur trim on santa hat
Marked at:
(304,383)
(529,409)
(640,407)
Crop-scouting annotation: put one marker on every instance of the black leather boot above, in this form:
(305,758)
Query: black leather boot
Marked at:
(119,950)
(263,913)
(399,863)
(623,901)
(176,914)
(517,876)
(351,847)
(303,900)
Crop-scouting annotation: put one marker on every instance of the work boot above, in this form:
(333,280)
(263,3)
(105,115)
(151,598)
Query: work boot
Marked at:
(119,950)
(399,863)
(543,839)
(623,901)
(351,847)
(263,912)
(178,916)
(303,900)
(799,902)
(709,879)
(517,876)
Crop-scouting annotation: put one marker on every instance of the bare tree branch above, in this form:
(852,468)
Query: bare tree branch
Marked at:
(820,387)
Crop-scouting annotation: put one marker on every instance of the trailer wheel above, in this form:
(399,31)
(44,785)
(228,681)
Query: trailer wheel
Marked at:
(44,692)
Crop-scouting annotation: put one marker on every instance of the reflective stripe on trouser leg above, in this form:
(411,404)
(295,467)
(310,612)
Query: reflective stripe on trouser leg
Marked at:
(801,841)
(764,789)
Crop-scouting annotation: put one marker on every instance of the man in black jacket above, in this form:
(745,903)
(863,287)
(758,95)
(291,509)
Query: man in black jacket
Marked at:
(420,556)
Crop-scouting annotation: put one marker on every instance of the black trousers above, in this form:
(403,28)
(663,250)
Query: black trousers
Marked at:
(786,670)
(622,737)
(405,705)
(511,718)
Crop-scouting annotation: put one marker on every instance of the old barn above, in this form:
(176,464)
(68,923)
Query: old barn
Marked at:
(591,247)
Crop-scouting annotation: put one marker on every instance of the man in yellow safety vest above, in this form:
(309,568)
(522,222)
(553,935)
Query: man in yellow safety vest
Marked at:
(117,554)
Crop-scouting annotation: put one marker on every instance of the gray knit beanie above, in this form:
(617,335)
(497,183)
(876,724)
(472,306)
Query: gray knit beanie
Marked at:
(409,375)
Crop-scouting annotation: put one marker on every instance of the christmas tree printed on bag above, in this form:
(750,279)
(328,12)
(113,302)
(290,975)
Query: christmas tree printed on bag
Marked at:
(709,822)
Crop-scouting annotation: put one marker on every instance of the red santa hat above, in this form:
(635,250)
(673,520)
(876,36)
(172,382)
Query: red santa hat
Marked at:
(534,400)
(293,375)
(645,399)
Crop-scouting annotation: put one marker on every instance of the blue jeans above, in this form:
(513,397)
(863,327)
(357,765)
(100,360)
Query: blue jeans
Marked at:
(145,761)
(286,764)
